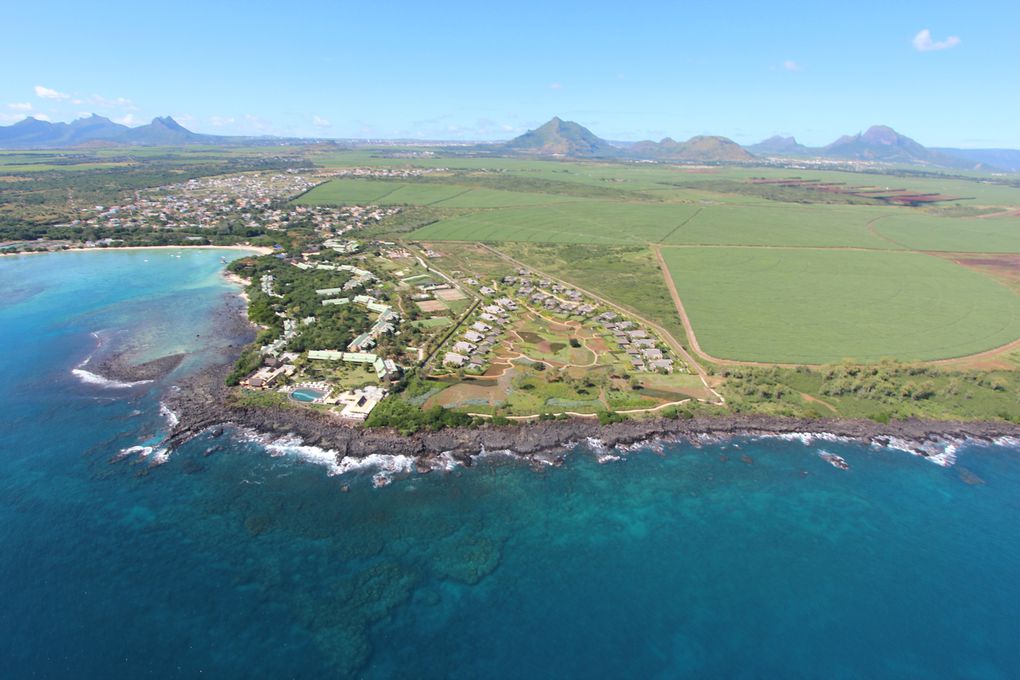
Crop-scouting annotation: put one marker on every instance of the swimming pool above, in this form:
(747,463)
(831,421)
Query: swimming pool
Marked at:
(307,394)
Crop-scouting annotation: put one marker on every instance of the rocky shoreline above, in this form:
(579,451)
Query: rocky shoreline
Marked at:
(201,405)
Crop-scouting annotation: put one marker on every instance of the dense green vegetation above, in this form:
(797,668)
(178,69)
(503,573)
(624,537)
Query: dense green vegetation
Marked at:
(334,326)
(884,391)
(404,413)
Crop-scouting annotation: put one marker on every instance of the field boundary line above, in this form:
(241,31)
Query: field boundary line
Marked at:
(691,336)
(682,224)
(450,198)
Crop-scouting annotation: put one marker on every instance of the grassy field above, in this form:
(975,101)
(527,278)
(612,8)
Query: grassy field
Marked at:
(918,231)
(799,306)
(384,192)
(977,189)
(579,222)
(783,224)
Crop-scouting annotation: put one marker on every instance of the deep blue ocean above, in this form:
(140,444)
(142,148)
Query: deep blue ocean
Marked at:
(750,559)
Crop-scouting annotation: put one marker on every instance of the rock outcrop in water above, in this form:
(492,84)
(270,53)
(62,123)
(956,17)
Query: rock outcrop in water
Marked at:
(120,369)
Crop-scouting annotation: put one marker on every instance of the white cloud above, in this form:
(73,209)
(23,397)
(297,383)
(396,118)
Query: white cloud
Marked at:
(20,106)
(923,42)
(42,116)
(791,65)
(221,121)
(48,93)
(555,86)
(318,121)
(116,103)
(257,124)
(128,119)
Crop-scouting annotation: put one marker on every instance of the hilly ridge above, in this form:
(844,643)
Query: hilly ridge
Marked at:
(557,138)
(879,143)
(32,133)
(699,148)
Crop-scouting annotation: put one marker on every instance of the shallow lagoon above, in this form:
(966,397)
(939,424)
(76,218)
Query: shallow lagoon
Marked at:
(746,559)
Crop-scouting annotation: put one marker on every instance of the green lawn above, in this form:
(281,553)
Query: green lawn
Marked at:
(953,234)
(804,306)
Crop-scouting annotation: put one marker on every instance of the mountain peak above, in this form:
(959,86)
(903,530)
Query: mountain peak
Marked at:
(169,123)
(881,134)
(558,137)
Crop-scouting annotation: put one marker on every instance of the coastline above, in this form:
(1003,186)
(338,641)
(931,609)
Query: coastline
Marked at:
(200,404)
(261,250)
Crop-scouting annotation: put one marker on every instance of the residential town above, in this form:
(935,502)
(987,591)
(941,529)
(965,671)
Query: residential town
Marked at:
(473,349)
(246,204)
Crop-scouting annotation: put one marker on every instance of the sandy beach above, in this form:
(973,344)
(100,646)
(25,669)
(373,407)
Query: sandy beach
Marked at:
(261,250)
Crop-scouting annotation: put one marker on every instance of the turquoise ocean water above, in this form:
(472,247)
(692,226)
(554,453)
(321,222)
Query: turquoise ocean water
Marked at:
(749,559)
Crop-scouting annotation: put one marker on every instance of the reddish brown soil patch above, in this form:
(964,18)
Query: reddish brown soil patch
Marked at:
(430,306)
(1005,268)
(450,294)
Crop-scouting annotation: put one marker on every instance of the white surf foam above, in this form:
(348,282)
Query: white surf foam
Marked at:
(444,462)
(295,446)
(90,378)
(141,451)
(808,438)
(171,417)
(385,463)
(150,453)
(941,452)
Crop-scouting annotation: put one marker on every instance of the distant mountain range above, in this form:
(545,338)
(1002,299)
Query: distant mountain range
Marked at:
(566,139)
(882,143)
(32,133)
(557,138)
(879,143)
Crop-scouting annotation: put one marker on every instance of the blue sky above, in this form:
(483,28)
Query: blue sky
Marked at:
(480,70)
